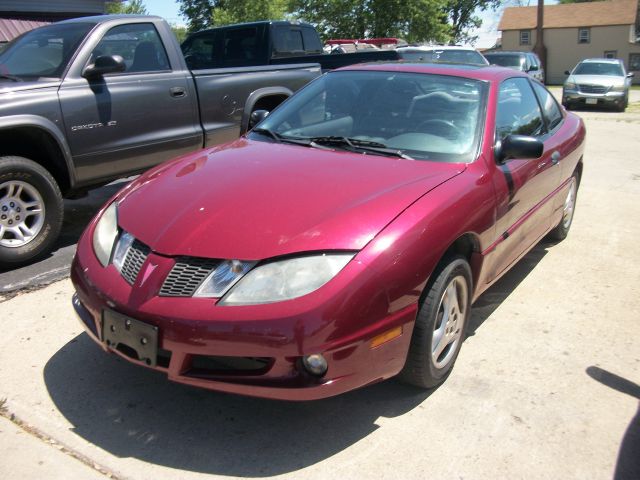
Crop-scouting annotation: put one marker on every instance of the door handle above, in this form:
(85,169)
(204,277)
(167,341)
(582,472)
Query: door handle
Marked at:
(555,157)
(178,92)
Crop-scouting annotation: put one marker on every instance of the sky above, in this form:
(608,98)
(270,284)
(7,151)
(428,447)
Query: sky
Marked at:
(487,33)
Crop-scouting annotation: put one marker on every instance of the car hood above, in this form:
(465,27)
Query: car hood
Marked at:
(253,200)
(600,80)
(9,86)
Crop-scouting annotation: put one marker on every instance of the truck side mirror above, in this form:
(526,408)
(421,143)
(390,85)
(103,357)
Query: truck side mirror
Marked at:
(103,65)
(630,75)
(518,146)
(256,117)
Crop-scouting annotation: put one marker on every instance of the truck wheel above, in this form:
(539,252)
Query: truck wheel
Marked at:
(31,211)
(440,325)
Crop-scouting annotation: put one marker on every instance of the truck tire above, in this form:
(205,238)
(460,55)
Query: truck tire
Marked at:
(31,211)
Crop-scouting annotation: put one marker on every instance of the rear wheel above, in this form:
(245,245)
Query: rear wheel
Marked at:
(440,326)
(561,230)
(31,210)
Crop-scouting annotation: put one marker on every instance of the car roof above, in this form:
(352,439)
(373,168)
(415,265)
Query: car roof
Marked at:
(511,53)
(489,73)
(430,48)
(601,60)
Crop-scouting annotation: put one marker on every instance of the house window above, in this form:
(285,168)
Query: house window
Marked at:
(584,35)
(525,37)
(610,53)
(634,62)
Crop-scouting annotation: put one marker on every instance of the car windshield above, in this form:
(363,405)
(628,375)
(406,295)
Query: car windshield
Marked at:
(444,56)
(595,68)
(413,115)
(512,61)
(43,52)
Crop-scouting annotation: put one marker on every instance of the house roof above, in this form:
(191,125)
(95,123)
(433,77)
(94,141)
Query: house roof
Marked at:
(589,14)
(10,29)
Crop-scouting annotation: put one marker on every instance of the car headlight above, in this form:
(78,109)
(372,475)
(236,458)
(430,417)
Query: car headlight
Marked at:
(105,234)
(617,88)
(285,279)
(569,86)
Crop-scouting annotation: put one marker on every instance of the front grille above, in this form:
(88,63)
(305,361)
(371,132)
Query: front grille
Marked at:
(186,276)
(593,88)
(203,366)
(136,255)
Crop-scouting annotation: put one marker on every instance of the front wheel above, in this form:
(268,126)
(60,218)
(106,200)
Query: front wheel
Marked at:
(561,230)
(440,325)
(31,210)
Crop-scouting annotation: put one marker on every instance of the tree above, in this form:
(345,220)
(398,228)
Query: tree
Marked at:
(198,13)
(413,20)
(179,31)
(462,17)
(132,7)
(236,11)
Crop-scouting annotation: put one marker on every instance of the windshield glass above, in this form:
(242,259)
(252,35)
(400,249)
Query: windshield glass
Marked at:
(422,116)
(43,52)
(444,56)
(512,61)
(593,68)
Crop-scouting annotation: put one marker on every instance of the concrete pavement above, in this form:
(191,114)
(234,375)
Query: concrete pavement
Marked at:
(546,385)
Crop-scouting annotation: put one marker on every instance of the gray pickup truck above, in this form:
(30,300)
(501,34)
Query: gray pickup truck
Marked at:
(89,100)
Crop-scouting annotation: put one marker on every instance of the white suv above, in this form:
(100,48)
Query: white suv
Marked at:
(442,54)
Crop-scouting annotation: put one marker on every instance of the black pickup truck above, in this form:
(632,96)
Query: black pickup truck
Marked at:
(89,100)
(268,43)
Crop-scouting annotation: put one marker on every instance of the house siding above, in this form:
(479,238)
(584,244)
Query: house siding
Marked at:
(564,51)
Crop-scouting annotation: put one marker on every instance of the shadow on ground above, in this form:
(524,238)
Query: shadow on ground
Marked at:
(134,412)
(628,464)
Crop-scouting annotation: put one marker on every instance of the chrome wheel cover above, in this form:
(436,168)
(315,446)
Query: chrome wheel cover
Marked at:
(569,204)
(450,316)
(21,213)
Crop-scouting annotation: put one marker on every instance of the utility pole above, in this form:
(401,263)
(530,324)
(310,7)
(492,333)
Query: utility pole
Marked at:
(539,47)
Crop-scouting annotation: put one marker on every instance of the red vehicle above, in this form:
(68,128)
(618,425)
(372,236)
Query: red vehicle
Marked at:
(339,243)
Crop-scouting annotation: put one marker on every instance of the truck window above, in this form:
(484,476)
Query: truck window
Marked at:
(43,52)
(311,40)
(241,47)
(140,46)
(287,41)
(199,51)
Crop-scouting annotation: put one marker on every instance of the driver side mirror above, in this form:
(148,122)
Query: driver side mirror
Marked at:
(533,68)
(103,65)
(256,117)
(630,75)
(567,72)
(518,146)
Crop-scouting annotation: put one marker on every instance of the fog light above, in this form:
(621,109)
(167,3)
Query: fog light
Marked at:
(315,364)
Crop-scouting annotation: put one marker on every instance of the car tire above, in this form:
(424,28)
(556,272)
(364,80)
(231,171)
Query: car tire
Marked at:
(561,230)
(440,325)
(31,211)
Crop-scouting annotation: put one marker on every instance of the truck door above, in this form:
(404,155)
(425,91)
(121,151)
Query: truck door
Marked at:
(127,122)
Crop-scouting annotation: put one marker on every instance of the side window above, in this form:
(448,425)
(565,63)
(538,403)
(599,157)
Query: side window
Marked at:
(240,47)
(550,107)
(311,40)
(198,53)
(518,111)
(287,40)
(140,46)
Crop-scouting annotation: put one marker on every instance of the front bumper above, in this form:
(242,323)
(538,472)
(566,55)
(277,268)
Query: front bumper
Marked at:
(577,97)
(249,350)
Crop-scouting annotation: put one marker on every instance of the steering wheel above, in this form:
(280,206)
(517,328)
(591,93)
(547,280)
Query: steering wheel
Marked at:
(442,128)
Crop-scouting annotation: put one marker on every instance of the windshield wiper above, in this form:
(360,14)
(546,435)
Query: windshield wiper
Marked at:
(357,144)
(10,77)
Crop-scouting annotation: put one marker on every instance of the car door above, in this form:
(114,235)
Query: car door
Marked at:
(523,186)
(126,122)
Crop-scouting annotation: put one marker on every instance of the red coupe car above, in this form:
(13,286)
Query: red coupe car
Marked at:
(342,241)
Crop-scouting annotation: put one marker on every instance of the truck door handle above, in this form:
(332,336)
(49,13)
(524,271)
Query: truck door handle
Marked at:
(555,157)
(178,92)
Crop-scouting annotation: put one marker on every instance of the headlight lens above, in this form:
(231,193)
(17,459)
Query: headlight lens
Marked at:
(222,278)
(569,86)
(105,234)
(617,88)
(286,279)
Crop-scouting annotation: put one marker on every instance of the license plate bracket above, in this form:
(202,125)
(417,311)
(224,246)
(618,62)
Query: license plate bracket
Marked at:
(138,340)
(591,101)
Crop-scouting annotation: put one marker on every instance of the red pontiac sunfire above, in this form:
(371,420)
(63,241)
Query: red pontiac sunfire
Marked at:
(342,241)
